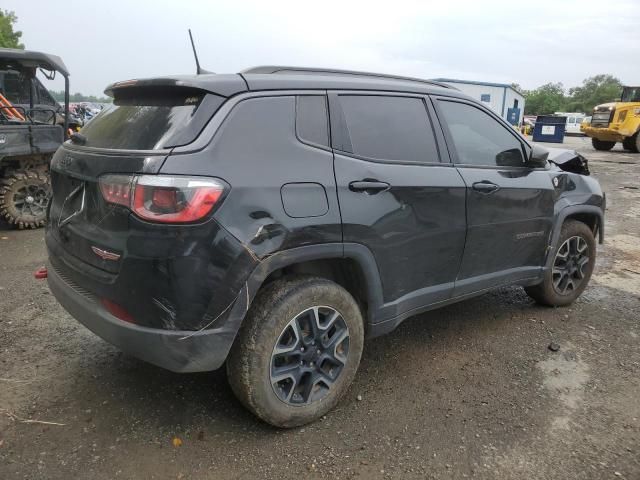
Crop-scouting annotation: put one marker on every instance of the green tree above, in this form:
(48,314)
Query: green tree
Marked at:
(79,97)
(594,91)
(8,37)
(545,100)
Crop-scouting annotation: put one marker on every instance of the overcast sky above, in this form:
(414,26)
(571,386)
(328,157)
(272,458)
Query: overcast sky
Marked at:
(530,42)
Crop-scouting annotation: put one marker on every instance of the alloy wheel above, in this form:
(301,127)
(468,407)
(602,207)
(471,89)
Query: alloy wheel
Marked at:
(309,356)
(569,265)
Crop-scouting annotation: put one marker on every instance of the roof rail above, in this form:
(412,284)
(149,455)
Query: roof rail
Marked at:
(270,69)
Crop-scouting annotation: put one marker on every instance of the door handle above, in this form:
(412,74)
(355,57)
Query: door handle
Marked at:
(370,187)
(485,187)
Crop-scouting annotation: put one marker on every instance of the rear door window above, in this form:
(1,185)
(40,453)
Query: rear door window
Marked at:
(312,122)
(389,128)
(151,119)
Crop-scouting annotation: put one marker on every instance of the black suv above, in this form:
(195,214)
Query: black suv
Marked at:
(275,218)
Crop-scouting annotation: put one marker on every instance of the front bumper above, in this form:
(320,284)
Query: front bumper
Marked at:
(178,351)
(606,134)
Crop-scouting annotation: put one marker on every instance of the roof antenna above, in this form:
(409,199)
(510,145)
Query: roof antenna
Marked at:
(199,70)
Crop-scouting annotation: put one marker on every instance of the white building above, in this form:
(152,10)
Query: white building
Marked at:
(499,97)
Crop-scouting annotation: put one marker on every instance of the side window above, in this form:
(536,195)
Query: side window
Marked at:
(389,128)
(312,122)
(43,95)
(478,138)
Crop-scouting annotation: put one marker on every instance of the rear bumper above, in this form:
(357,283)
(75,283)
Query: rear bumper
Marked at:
(178,351)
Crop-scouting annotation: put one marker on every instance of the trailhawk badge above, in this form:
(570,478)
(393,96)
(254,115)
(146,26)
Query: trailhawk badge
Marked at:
(105,255)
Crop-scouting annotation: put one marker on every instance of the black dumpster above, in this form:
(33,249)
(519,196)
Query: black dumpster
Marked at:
(549,128)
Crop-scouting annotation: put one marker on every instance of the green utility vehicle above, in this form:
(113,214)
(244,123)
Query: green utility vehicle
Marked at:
(32,127)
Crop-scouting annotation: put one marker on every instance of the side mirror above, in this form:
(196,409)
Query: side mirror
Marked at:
(538,157)
(510,158)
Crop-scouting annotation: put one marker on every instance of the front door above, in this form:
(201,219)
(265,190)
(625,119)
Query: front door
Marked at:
(397,197)
(509,205)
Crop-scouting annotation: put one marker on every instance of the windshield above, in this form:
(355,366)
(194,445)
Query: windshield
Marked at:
(631,94)
(151,120)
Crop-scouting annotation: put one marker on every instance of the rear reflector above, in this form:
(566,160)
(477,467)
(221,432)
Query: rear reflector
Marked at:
(117,310)
(162,198)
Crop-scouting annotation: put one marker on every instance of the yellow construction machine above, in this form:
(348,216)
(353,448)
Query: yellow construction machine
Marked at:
(616,122)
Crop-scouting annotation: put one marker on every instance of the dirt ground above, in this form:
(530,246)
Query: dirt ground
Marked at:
(468,391)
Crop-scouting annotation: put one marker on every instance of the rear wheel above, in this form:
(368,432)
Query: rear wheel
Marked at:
(573,262)
(601,144)
(632,143)
(298,350)
(24,197)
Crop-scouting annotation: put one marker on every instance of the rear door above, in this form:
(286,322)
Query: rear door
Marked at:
(396,195)
(509,205)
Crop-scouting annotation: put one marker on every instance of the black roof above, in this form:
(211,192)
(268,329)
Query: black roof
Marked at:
(12,57)
(293,78)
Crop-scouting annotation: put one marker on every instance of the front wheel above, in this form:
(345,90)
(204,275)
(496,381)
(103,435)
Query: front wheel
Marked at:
(573,262)
(632,143)
(298,350)
(602,145)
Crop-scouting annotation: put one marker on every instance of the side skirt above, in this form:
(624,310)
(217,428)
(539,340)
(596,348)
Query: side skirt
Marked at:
(391,324)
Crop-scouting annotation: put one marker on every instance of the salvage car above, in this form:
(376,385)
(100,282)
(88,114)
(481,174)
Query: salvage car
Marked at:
(272,220)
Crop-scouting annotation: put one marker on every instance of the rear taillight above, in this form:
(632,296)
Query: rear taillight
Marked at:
(175,199)
(117,189)
(162,198)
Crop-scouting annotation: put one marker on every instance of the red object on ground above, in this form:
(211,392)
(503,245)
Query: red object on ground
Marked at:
(41,273)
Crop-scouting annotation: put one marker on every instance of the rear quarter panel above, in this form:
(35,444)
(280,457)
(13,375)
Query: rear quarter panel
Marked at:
(256,151)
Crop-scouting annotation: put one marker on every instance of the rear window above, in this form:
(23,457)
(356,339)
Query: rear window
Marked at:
(151,119)
(15,87)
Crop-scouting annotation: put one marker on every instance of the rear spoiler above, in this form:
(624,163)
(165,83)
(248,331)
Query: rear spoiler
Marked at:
(225,85)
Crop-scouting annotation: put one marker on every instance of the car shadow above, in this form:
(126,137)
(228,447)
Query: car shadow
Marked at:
(134,392)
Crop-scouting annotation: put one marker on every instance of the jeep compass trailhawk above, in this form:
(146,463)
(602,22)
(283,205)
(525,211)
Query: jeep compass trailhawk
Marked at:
(275,218)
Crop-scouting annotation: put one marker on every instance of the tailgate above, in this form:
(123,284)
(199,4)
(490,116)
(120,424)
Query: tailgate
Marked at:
(82,222)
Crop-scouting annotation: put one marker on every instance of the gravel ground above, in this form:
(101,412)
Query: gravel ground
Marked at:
(468,391)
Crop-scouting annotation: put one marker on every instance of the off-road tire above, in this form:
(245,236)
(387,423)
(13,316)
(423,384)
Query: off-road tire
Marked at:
(11,187)
(632,143)
(249,362)
(602,145)
(545,293)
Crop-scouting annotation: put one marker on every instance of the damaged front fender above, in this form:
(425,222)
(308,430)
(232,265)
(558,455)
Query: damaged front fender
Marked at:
(568,161)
